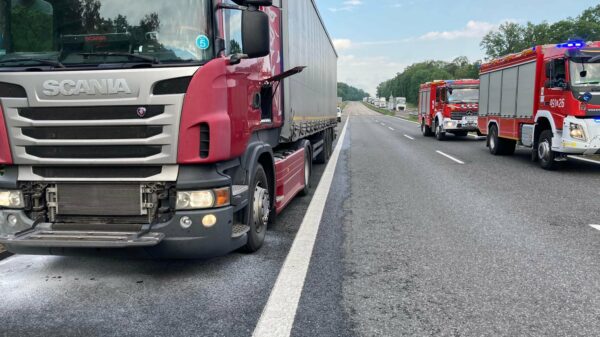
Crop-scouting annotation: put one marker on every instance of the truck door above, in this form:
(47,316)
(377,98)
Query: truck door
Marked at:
(555,86)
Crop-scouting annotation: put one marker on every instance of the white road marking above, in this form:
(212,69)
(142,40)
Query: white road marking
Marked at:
(279,313)
(595,227)
(382,124)
(391,128)
(406,120)
(409,137)
(450,157)
(584,159)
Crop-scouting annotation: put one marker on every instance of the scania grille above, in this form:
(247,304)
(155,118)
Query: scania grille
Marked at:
(105,135)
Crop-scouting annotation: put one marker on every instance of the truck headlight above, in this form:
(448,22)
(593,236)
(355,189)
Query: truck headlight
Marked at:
(11,199)
(219,197)
(576,131)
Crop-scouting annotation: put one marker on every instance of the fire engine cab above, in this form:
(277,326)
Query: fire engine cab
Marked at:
(448,107)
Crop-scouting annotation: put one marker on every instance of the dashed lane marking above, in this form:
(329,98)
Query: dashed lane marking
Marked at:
(278,316)
(450,157)
(409,137)
(391,128)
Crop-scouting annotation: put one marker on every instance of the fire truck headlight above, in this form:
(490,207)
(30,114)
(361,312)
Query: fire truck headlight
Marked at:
(576,131)
(219,197)
(11,199)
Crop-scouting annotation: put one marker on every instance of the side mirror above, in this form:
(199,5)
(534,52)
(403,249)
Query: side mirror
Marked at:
(583,74)
(256,37)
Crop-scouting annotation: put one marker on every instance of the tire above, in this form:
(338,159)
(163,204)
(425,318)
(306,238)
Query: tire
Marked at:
(426,129)
(439,134)
(500,146)
(461,134)
(307,169)
(544,151)
(323,156)
(258,223)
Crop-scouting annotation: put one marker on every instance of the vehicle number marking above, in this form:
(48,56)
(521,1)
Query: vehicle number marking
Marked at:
(557,103)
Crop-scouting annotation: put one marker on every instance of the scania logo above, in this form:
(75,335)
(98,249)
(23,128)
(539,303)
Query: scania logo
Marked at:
(88,87)
(141,112)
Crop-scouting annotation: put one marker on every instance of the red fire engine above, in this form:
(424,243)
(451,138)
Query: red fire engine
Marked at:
(546,98)
(448,107)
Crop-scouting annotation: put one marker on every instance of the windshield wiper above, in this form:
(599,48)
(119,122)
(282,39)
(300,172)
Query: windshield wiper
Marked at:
(150,59)
(56,64)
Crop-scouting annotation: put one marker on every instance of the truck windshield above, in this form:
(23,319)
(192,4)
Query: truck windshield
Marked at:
(464,95)
(590,70)
(111,33)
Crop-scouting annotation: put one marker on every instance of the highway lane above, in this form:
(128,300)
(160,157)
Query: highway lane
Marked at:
(492,247)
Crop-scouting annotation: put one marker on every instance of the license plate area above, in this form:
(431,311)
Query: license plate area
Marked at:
(98,199)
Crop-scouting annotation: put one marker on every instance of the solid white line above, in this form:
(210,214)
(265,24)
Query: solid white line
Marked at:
(279,313)
(584,159)
(595,227)
(405,120)
(450,157)
(391,128)
(409,137)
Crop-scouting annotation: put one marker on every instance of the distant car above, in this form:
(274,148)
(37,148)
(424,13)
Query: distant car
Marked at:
(339,114)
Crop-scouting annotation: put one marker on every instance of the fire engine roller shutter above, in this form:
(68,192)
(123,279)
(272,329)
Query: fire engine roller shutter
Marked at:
(526,94)
(484,94)
(495,93)
(509,92)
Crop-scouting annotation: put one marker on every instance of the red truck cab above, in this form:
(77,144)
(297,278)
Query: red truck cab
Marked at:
(449,106)
(546,98)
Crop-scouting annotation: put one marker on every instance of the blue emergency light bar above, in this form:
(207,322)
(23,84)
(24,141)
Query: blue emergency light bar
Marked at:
(572,44)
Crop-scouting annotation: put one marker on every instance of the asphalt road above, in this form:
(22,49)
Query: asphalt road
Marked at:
(418,238)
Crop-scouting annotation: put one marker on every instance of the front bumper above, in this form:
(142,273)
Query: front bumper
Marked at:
(564,143)
(167,239)
(465,124)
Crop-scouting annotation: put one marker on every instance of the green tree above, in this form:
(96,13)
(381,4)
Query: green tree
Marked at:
(350,93)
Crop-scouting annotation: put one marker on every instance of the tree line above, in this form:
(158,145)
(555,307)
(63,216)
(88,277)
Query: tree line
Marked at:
(350,93)
(510,38)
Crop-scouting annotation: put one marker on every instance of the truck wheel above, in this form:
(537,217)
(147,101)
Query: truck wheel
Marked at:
(323,156)
(544,151)
(425,129)
(259,210)
(439,133)
(307,169)
(494,141)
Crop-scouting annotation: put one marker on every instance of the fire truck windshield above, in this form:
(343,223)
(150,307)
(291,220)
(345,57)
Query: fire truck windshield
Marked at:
(463,95)
(583,73)
(111,33)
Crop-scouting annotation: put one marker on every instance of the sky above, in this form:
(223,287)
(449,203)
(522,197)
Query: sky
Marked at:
(376,39)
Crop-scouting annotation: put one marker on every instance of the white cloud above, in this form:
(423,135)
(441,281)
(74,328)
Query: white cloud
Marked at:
(473,29)
(342,44)
(346,6)
(367,72)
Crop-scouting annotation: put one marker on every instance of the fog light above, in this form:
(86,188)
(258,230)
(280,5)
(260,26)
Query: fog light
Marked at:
(12,220)
(186,222)
(209,220)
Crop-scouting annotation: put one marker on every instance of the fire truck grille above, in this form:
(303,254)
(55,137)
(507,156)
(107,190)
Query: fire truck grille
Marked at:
(459,115)
(98,135)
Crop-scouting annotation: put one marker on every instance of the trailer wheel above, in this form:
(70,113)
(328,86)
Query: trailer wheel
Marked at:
(259,210)
(426,129)
(439,132)
(307,169)
(544,151)
(323,156)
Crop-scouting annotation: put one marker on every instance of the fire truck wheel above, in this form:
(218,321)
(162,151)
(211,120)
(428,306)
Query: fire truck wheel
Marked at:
(259,210)
(544,150)
(307,170)
(425,129)
(494,141)
(439,132)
